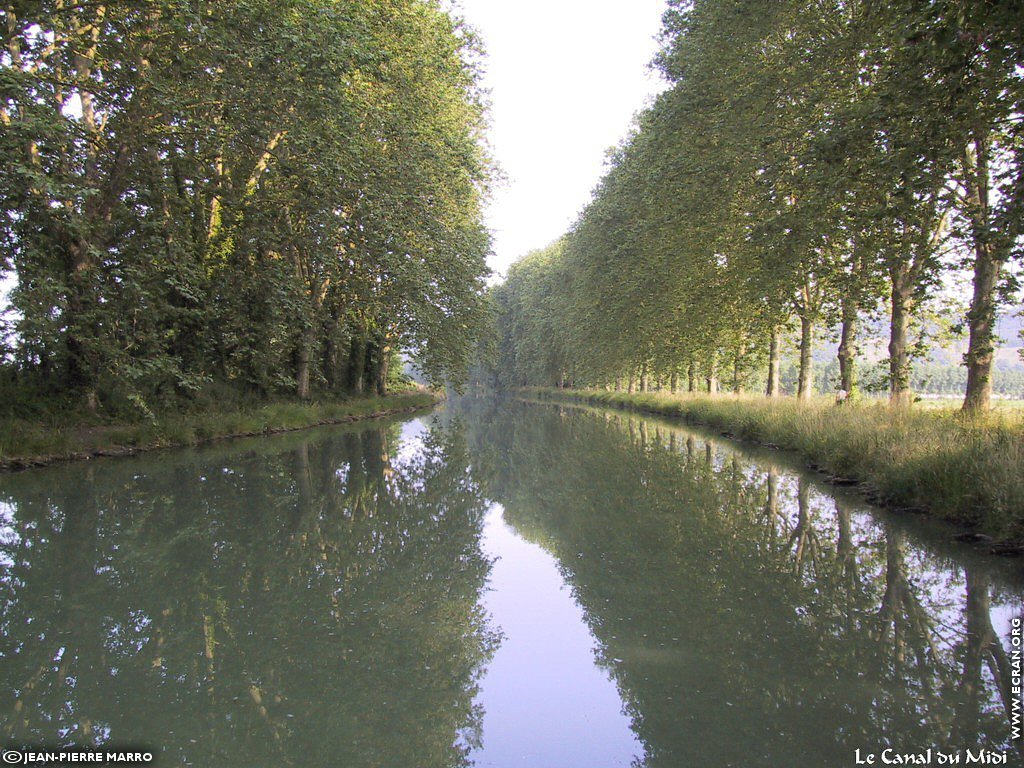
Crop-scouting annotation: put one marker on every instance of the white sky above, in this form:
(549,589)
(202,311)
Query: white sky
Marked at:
(565,79)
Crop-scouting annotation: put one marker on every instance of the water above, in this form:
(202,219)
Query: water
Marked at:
(497,584)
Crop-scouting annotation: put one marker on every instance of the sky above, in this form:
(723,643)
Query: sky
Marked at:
(565,78)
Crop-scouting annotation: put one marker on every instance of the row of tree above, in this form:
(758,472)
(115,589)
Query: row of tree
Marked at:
(272,196)
(811,164)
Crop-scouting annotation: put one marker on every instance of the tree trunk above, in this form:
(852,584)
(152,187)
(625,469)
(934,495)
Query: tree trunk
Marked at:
(383,363)
(371,371)
(712,377)
(643,377)
(84,356)
(79,336)
(981,320)
(308,340)
(848,347)
(737,369)
(305,356)
(988,263)
(331,357)
(357,365)
(899,323)
(774,363)
(673,382)
(851,302)
(805,385)
(691,377)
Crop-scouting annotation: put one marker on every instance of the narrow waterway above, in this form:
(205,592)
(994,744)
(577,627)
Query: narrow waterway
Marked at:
(545,699)
(493,584)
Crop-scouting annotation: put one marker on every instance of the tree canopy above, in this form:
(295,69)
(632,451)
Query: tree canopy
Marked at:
(810,165)
(264,196)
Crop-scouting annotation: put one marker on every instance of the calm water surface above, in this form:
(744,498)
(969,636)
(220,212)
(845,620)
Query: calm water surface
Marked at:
(497,584)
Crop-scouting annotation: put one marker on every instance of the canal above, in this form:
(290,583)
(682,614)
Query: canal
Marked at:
(496,583)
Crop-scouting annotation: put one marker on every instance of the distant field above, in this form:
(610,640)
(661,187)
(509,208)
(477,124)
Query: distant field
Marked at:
(949,401)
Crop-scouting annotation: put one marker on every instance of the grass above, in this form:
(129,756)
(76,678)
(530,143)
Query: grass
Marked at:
(33,442)
(966,470)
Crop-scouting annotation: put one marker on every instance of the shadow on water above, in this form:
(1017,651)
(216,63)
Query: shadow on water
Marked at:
(748,614)
(305,600)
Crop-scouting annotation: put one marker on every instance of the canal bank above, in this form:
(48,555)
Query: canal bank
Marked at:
(967,471)
(27,444)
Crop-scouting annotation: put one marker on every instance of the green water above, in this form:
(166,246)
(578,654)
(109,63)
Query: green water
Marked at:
(498,584)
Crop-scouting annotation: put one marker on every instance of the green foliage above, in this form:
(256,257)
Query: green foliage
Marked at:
(272,196)
(529,304)
(811,165)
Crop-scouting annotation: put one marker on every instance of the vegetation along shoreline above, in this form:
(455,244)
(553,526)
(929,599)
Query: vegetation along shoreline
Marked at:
(26,444)
(969,472)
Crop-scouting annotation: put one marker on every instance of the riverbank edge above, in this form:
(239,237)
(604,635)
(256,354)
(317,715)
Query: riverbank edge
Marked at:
(80,442)
(926,463)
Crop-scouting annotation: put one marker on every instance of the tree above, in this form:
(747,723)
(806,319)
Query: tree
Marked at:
(175,222)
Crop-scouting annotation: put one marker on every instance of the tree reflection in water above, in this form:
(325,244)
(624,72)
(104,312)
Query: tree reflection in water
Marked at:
(315,599)
(308,600)
(748,616)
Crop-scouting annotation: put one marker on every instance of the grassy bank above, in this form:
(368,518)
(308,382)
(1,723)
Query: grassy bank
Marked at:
(970,472)
(26,443)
